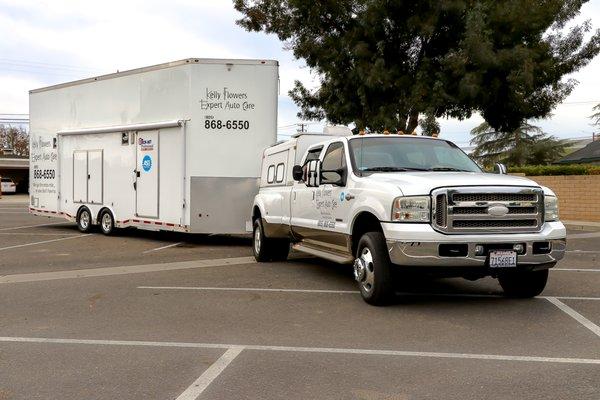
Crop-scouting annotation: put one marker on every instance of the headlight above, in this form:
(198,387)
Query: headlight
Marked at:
(550,208)
(411,209)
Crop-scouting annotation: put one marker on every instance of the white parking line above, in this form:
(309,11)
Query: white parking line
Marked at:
(331,350)
(325,291)
(199,385)
(14,212)
(162,248)
(32,226)
(589,235)
(584,251)
(133,269)
(576,269)
(242,289)
(38,234)
(575,315)
(17,246)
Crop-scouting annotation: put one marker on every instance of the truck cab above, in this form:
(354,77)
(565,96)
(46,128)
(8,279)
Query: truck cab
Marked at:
(391,203)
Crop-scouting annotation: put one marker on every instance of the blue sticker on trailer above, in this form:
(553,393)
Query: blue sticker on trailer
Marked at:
(147,163)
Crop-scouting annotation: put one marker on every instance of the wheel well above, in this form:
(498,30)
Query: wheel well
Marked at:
(363,223)
(255,213)
(81,209)
(102,210)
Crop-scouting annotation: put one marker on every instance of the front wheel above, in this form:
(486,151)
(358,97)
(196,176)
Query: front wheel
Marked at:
(373,269)
(523,284)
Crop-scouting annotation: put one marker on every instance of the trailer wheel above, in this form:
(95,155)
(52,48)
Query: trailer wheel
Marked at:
(107,222)
(84,220)
(268,249)
(523,284)
(373,269)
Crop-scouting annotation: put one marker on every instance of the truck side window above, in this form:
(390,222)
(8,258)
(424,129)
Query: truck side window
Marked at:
(279,173)
(334,160)
(271,174)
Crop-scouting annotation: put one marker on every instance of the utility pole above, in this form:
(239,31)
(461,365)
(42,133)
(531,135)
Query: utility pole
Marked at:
(301,127)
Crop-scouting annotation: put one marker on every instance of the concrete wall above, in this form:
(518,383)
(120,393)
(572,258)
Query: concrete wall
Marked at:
(578,195)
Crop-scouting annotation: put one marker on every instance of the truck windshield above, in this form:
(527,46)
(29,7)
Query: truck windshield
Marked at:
(397,154)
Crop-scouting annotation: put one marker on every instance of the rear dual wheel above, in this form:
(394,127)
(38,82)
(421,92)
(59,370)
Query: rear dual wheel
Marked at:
(268,249)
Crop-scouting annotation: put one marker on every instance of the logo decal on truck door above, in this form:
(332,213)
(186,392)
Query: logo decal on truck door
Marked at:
(147,163)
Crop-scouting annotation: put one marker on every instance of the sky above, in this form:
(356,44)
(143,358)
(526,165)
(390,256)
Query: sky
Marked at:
(49,42)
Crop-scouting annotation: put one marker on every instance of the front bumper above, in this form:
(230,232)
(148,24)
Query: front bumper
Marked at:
(418,245)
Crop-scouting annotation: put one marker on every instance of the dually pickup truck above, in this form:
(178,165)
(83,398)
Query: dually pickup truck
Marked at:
(387,203)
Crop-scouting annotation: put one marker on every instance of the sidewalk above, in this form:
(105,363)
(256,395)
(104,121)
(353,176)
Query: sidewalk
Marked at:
(19,198)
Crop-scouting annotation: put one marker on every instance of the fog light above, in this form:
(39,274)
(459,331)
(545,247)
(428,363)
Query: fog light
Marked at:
(519,248)
(479,250)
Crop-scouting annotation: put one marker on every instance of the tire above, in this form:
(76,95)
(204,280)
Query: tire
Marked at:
(523,284)
(373,269)
(84,220)
(266,249)
(107,222)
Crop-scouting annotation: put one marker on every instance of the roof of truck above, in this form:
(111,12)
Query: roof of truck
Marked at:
(157,67)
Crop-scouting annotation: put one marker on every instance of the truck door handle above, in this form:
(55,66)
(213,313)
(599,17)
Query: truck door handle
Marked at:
(137,174)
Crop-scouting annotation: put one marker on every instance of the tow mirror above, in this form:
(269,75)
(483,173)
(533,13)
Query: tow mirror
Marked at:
(500,168)
(313,173)
(297,173)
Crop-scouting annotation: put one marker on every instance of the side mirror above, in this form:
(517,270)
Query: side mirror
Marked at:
(313,173)
(500,168)
(297,173)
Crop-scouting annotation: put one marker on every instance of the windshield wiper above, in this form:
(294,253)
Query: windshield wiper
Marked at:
(448,169)
(392,169)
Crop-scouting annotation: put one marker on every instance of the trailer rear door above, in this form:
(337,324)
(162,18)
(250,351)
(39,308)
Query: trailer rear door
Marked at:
(147,172)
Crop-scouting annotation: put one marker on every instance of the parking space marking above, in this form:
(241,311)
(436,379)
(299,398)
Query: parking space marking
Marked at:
(246,289)
(14,212)
(33,226)
(575,315)
(133,269)
(576,269)
(327,291)
(38,234)
(330,350)
(195,389)
(162,248)
(584,251)
(43,242)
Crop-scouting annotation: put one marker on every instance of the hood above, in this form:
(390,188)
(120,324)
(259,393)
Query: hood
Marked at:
(420,183)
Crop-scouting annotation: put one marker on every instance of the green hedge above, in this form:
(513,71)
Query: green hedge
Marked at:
(568,169)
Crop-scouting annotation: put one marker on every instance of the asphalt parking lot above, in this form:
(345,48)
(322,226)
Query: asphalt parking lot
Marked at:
(146,315)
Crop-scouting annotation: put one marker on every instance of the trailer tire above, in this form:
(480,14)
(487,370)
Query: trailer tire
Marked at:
(268,249)
(373,269)
(523,284)
(84,220)
(107,222)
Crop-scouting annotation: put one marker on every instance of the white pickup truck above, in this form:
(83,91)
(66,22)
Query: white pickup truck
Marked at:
(386,203)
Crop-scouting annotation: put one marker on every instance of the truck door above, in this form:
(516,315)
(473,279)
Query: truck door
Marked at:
(304,216)
(330,203)
(147,173)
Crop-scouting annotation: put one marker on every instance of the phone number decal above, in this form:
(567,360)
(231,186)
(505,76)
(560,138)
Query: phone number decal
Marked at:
(44,174)
(218,124)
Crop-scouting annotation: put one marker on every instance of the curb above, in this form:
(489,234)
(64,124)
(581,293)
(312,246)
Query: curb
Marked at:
(582,225)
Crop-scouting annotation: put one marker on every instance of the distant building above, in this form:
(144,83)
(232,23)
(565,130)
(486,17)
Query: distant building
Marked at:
(16,168)
(590,154)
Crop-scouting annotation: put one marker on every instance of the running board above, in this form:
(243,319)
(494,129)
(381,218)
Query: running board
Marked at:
(321,253)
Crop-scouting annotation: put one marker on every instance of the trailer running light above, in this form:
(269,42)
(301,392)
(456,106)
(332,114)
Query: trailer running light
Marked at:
(411,209)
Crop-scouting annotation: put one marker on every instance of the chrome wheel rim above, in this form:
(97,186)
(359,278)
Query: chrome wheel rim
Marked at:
(257,240)
(84,219)
(106,222)
(364,271)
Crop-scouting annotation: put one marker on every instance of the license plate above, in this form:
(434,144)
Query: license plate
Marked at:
(503,259)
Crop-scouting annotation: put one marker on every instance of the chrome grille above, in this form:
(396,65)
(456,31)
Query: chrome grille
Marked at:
(488,209)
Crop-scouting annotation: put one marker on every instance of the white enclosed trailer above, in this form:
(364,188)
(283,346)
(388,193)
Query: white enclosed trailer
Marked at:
(175,146)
